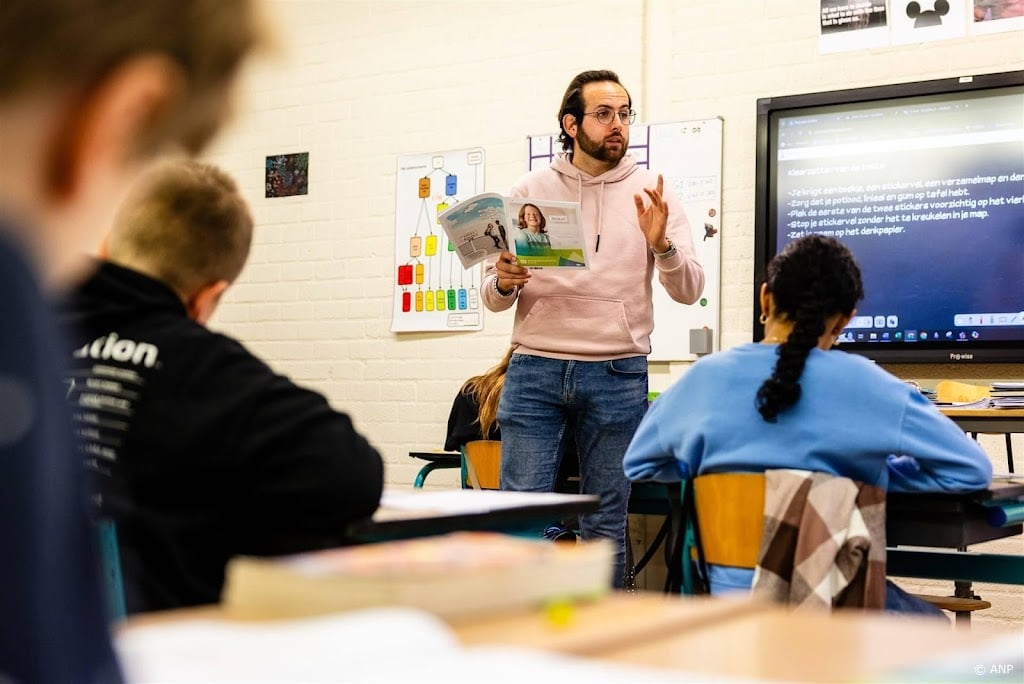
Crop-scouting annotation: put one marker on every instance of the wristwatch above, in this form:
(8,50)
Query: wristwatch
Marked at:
(502,293)
(670,252)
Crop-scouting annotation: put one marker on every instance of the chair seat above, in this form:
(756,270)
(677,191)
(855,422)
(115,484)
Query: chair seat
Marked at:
(954,604)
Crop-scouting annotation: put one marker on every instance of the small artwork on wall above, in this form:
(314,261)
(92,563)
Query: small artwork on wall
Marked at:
(287,174)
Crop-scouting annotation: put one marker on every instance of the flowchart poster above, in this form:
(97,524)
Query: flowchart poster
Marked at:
(432,291)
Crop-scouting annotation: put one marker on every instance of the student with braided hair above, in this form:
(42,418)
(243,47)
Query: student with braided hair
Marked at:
(793,401)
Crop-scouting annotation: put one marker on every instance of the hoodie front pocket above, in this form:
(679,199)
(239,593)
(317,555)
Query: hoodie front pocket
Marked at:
(583,325)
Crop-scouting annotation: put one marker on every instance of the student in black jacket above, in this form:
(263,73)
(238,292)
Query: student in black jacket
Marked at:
(203,451)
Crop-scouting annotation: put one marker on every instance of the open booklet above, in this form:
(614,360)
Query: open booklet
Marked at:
(541,233)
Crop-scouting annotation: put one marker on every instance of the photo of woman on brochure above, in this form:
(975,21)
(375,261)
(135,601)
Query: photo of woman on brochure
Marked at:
(533,236)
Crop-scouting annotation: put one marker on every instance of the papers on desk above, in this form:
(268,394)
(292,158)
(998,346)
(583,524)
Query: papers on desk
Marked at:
(982,403)
(1002,395)
(384,645)
(312,650)
(467,500)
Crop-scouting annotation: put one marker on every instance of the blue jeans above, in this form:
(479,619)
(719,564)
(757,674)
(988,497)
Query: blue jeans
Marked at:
(899,601)
(604,402)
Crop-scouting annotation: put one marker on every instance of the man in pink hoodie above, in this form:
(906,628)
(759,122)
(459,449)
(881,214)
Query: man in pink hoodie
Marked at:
(582,336)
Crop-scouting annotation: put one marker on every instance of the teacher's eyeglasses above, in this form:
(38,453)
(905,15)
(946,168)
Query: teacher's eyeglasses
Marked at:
(605,116)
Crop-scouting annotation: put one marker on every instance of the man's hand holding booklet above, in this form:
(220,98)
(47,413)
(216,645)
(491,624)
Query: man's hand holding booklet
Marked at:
(541,233)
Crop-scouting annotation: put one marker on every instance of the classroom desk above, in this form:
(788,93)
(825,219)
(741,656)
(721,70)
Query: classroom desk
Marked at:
(951,521)
(948,520)
(1003,421)
(595,628)
(957,520)
(775,643)
(417,513)
(729,638)
(695,637)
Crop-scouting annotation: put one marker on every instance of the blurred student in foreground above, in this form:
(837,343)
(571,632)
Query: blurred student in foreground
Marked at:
(203,452)
(792,401)
(89,90)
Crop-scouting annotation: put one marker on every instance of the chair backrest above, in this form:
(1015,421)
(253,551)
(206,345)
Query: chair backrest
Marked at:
(481,461)
(815,540)
(730,516)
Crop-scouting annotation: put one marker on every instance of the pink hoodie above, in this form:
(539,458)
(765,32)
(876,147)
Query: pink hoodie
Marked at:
(605,312)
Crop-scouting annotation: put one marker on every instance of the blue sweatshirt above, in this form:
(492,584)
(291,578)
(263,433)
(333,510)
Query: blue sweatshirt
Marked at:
(853,419)
(850,418)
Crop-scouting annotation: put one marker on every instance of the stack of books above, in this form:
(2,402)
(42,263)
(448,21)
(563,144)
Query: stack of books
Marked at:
(1007,395)
(449,575)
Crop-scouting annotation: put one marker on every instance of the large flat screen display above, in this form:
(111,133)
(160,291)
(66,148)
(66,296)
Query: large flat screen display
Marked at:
(925,183)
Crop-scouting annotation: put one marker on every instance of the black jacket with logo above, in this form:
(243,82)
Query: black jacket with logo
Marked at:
(203,452)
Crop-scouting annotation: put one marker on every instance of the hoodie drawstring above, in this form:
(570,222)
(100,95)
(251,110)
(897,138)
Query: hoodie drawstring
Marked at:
(600,207)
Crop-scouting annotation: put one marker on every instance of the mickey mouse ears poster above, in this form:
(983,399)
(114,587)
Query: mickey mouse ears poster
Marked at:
(926,20)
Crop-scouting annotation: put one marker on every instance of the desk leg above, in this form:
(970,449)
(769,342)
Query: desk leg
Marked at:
(426,470)
(963,589)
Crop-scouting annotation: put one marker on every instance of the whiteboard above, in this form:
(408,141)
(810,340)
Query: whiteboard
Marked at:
(689,155)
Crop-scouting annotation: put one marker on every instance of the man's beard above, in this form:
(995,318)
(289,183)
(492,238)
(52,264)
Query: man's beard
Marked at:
(598,151)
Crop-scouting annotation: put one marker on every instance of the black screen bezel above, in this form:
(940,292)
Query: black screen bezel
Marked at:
(766,228)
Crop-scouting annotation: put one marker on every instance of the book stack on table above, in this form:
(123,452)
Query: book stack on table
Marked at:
(1007,395)
(448,575)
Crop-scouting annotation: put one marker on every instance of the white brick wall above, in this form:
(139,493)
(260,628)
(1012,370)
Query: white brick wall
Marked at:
(359,82)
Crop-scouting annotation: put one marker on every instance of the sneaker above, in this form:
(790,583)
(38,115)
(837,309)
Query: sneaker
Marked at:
(559,534)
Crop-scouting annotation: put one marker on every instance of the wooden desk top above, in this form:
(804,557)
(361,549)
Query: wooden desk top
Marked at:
(982,413)
(986,420)
(775,643)
(729,638)
(595,628)
(709,636)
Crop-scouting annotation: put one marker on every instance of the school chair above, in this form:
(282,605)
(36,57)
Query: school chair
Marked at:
(481,464)
(725,527)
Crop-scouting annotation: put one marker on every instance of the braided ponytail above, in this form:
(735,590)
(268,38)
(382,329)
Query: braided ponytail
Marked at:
(812,279)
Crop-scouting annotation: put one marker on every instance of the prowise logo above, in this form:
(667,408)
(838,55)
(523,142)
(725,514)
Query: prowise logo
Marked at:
(111,347)
(958,356)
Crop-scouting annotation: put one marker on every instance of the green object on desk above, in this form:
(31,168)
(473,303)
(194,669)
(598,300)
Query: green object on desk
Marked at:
(1004,513)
